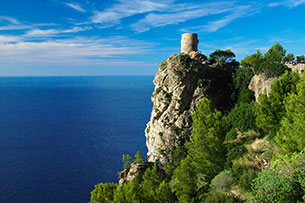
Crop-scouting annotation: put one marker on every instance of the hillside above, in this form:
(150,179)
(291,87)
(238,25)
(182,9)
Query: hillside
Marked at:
(211,139)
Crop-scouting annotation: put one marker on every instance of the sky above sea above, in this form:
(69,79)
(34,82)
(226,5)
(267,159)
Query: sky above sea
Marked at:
(131,37)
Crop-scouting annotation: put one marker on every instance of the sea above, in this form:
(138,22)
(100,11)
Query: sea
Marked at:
(60,136)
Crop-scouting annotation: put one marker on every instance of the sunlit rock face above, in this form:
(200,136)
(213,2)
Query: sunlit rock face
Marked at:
(175,97)
(259,84)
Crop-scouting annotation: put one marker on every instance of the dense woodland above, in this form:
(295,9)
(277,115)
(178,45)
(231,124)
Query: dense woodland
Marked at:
(250,152)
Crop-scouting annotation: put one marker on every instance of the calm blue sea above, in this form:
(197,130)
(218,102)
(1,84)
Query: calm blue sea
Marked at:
(59,136)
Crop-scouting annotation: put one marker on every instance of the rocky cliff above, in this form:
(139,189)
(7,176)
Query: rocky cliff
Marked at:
(259,83)
(181,82)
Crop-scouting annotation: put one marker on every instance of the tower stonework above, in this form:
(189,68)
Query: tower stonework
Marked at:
(189,43)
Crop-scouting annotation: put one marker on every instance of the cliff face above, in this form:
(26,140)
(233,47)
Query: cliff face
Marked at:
(259,83)
(297,67)
(180,84)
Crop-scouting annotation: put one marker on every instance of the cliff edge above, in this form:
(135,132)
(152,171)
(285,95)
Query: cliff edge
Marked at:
(180,83)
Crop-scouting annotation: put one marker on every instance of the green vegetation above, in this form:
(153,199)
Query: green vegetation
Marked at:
(283,182)
(223,59)
(163,65)
(301,59)
(158,90)
(270,64)
(288,59)
(205,154)
(291,135)
(270,110)
(240,151)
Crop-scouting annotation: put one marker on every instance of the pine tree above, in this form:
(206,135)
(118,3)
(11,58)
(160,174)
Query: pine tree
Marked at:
(205,154)
(291,135)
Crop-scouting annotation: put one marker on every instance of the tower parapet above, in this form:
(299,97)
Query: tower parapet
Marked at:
(189,43)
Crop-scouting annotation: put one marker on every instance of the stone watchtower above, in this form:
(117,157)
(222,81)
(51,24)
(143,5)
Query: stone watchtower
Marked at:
(189,43)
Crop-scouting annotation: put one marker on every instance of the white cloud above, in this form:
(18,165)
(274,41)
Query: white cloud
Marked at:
(75,51)
(9,19)
(48,32)
(213,26)
(8,39)
(75,6)
(128,8)
(188,12)
(162,13)
(287,3)
(15,27)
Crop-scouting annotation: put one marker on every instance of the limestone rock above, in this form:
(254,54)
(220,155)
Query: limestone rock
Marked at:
(299,67)
(180,84)
(140,168)
(129,174)
(259,83)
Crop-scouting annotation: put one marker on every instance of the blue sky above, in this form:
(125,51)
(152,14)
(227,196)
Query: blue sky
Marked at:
(131,37)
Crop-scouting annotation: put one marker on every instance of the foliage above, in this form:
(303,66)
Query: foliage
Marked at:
(164,193)
(126,161)
(241,80)
(179,154)
(197,173)
(246,178)
(186,61)
(270,64)
(289,58)
(234,152)
(219,197)
(139,158)
(184,181)
(150,183)
(300,59)
(270,110)
(163,65)
(158,90)
(226,55)
(205,154)
(283,182)
(103,193)
(241,118)
(222,182)
(291,134)
(223,59)
(253,62)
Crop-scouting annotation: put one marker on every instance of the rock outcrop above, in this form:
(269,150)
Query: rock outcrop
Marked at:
(180,84)
(259,83)
(296,67)
(129,174)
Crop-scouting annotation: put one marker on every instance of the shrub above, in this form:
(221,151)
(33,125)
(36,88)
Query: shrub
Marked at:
(158,90)
(219,197)
(127,161)
(283,182)
(163,65)
(222,182)
(139,158)
(242,118)
(245,180)
(270,110)
(292,129)
(103,193)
